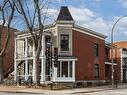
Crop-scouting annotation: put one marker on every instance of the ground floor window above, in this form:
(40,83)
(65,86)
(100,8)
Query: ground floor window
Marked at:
(30,67)
(64,69)
(96,68)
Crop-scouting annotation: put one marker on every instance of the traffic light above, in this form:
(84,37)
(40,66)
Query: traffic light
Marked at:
(55,57)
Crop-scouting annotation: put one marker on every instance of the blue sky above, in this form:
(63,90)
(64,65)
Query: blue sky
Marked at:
(99,15)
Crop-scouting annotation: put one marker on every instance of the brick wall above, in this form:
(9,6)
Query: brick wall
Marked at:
(83,50)
(119,45)
(9,54)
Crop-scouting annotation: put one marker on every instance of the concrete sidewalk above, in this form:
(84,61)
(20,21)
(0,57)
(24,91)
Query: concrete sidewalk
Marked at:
(22,89)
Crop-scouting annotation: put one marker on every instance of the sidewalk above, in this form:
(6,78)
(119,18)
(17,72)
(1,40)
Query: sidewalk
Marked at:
(22,89)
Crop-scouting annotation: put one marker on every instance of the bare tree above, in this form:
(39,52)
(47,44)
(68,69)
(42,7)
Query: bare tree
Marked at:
(34,13)
(7,10)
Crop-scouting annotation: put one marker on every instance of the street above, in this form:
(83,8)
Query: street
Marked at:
(105,92)
(6,93)
(122,91)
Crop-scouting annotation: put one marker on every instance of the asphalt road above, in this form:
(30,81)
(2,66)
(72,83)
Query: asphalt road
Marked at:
(104,92)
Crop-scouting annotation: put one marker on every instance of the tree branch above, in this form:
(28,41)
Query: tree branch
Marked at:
(8,28)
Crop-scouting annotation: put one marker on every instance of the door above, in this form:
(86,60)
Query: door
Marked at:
(124,75)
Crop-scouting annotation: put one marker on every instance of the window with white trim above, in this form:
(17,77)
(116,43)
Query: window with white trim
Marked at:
(64,69)
(64,42)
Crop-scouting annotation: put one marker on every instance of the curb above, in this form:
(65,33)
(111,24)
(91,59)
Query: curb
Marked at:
(97,90)
(91,90)
(21,92)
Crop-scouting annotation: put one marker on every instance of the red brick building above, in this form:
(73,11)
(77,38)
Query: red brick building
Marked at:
(119,60)
(121,57)
(81,53)
(89,50)
(8,61)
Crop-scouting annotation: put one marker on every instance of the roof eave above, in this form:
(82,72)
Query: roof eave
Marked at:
(90,31)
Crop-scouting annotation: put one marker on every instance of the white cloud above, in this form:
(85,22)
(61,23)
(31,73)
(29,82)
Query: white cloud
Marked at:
(87,18)
(99,25)
(95,0)
(120,27)
(91,20)
(53,12)
(81,14)
(57,1)
(124,3)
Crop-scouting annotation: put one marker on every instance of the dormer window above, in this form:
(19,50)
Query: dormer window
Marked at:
(64,42)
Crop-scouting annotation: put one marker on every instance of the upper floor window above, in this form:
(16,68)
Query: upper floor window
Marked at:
(96,50)
(48,41)
(64,42)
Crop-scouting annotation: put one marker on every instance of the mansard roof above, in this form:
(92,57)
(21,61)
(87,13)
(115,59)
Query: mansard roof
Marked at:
(64,14)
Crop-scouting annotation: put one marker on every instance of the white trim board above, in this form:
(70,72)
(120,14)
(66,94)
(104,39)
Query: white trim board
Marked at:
(109,63)
(79,30)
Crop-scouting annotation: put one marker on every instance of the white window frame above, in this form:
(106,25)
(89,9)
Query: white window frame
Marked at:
(65,79)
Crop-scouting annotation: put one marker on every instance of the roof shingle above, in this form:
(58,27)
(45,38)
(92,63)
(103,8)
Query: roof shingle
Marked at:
(64,14)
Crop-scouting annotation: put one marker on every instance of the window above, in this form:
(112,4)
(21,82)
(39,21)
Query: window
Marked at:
(64,69)
(96,67)
(58,69)
(124,61)
(70,69)
(48,41)
(30,68)
(96,50)
(64,42)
